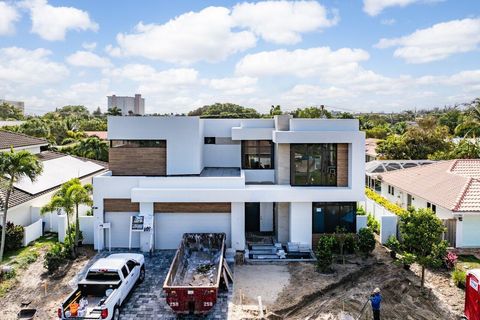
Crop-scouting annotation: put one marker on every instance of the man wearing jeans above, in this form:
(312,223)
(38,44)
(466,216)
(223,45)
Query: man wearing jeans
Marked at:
(376,299)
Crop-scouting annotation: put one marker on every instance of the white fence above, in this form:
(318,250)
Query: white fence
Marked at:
(86,226)
(32,232)
(388,220)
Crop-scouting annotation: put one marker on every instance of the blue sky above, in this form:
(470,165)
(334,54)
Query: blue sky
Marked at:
(358,55)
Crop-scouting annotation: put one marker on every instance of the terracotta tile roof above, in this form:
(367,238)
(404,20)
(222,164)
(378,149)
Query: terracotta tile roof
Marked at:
(370,146)
(13,139)
(18,196)
(102,135)
(453,184)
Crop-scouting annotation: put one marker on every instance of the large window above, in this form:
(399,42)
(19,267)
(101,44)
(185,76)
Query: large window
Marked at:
(313,164)
(138,143)
(257,154)
(327,216)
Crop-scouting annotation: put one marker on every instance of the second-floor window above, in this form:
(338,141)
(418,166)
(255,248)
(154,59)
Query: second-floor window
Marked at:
(137,143)
(313,164)
(257,154)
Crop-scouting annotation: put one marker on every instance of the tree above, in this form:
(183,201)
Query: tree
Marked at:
(97,112)
(71,195)
(13,166)
(275,110)
(73,136)
(464,149)
(312,112)
(10,112)
(225,110)
(73,111)
(93,148)
(114,111)
(421,232)
(35,127)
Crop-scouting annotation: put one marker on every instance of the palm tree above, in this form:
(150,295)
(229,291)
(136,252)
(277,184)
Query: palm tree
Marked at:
(71,195)
(114,111)
(93,148)
(73,136)
(13,166)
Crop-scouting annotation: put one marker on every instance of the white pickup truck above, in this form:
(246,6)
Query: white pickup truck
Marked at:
(105,287)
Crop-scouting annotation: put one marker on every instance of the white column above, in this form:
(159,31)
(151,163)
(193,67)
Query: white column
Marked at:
(98,234)
(459,233)
(300,218)
(237,223)
(146,237)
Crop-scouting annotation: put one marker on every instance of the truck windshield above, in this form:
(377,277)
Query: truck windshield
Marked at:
(103,276)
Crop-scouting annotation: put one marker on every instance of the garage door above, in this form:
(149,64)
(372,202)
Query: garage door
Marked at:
(170,227)
(120,224)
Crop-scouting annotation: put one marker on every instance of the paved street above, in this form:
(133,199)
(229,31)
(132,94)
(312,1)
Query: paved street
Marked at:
(148,300)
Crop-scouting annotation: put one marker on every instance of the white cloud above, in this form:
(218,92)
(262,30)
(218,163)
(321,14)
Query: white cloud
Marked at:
(283,22)
(29,67)
(375,7)
(194,36)
(234,85)
(437,42)
(90,46)
(52,23)
(88,59)
(8,16)
(388,22)
(320,62)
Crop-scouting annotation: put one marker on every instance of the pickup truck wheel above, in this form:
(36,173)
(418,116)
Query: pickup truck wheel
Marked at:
(116,314)
(141,276)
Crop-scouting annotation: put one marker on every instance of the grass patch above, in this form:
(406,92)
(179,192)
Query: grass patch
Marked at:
(468,262)
(20,259)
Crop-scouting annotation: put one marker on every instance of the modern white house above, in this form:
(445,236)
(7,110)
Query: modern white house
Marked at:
(290,178)
(29,197)
(450,188)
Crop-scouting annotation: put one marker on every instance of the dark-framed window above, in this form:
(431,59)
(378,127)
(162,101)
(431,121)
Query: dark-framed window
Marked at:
(313,164)
(209,140)
(138,143)
(257,154)
(432,207)
(327,216)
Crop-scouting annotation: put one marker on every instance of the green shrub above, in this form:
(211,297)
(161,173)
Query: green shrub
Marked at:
(393,243)
(366,241)
(459,277)
(13,237)
(325,247)
(361,211)
(373,224)
(408,259)
(55,257)
(71,231)
(351,243)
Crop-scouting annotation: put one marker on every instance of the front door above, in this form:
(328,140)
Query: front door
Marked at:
(252,216)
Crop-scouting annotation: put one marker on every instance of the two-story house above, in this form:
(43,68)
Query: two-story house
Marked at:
(293,178)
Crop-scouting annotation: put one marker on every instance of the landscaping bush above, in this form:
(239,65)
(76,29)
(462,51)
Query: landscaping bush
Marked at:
(385,203)
(351,243)
(325,247)
(69,243)
(13,236)
(394,245)
(55,257)
(366,241)
(451,260)
(459,277)
(373,224)
(407,259)
(361,211)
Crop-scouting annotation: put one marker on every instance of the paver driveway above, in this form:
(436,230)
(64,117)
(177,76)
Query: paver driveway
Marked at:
(147,301)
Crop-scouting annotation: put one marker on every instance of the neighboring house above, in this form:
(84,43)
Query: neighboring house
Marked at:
(290,178)
(371,149)
(129,105)
(27,197)
(450,188)
(374,169)
(17,104)
(102,135)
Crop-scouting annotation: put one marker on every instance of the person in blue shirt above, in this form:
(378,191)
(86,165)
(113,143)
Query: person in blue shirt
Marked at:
(376,299)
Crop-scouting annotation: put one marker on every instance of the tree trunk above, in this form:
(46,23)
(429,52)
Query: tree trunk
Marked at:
(4,220)
(72,247)
(77,227)
(423,277)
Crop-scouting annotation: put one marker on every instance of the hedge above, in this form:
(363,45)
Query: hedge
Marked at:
(399,211)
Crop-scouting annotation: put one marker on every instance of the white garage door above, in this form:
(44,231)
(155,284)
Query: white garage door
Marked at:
(120,224)
(170,227)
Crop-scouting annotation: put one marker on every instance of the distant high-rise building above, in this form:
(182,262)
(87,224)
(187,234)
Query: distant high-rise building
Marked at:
(128,105)
(17,104)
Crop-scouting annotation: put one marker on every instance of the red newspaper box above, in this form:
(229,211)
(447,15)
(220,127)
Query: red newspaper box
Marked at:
(472,295)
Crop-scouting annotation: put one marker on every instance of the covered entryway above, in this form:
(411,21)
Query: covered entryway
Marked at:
(172,220)
(252,216)
(120,228)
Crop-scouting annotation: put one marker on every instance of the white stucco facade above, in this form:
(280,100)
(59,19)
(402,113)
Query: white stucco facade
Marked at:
(285,210)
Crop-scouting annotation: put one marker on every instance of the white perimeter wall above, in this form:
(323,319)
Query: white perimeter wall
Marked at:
(300,221)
